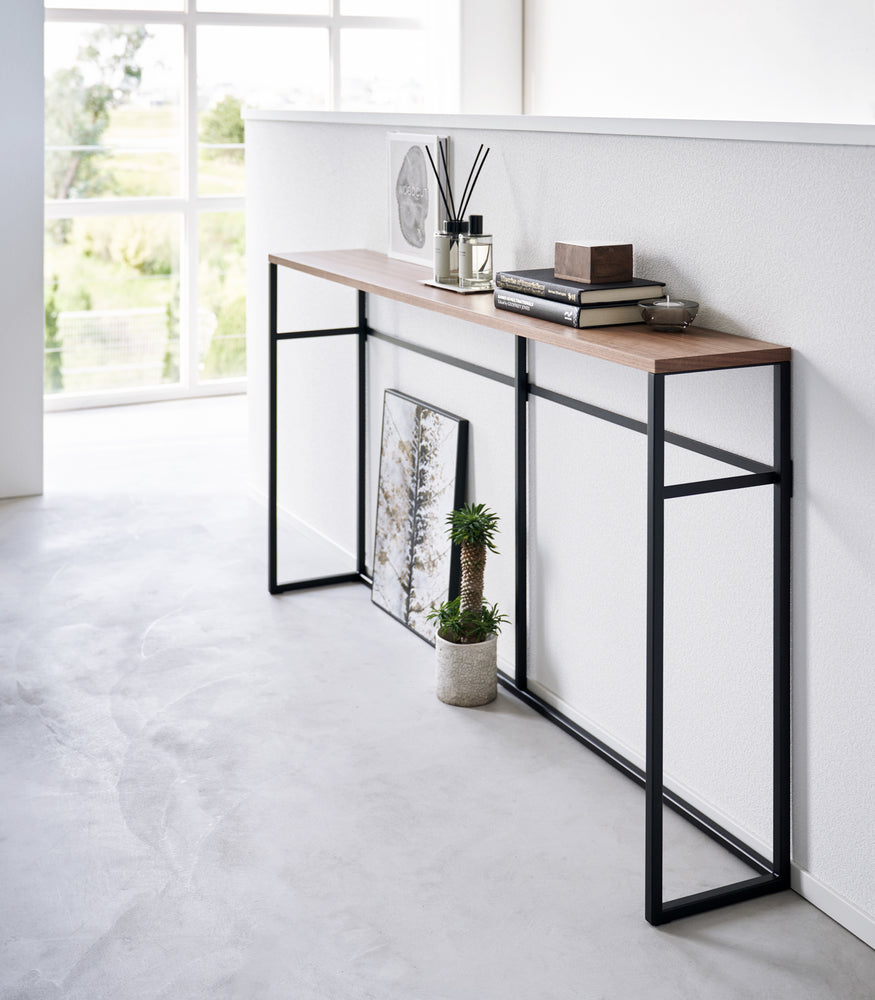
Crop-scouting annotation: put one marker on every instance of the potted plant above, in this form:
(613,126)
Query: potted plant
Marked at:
(467,627)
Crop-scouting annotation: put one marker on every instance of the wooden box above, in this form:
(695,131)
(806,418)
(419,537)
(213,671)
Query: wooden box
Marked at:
(593,263)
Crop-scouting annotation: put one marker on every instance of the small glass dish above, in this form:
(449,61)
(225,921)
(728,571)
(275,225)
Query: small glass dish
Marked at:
(668,315)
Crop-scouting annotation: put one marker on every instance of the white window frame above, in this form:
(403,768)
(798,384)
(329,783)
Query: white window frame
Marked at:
(189,204)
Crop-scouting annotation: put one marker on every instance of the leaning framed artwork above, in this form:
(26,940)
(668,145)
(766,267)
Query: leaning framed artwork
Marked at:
(414,210)
(423,466)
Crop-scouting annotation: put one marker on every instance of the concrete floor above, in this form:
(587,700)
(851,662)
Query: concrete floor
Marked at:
(211,793)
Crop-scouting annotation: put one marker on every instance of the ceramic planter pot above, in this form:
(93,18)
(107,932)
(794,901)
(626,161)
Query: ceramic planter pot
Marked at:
(467,673)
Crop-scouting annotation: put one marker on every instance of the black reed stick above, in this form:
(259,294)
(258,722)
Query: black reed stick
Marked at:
(446,191)
(463,200)
(465,206)
(440,186)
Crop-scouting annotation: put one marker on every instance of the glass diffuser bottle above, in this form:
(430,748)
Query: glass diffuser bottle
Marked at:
(475,256)
(449,242)
(446,251)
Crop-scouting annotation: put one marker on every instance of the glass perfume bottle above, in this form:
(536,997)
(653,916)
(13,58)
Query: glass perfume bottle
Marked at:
(446,251)
(475,256)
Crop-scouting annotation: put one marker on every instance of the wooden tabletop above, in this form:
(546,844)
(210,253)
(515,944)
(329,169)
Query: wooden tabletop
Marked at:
(634,345)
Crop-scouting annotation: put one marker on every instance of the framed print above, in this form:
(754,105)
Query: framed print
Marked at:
(423,465)
(414,209)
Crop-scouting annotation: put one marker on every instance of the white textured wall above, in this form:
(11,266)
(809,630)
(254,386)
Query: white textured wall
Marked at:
(21,245)
(777,242)
(786,60)
(490,45)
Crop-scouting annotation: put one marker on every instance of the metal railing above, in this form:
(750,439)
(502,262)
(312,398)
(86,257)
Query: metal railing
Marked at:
(121,348)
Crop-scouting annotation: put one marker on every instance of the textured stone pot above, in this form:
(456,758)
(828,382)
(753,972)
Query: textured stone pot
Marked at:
(467,673)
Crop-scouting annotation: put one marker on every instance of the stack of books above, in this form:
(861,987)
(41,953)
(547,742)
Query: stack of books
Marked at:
(541,294)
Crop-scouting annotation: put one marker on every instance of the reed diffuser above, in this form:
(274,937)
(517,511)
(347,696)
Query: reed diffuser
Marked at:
(455,226)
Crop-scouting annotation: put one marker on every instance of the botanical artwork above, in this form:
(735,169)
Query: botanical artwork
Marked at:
(423,459)
(414,211)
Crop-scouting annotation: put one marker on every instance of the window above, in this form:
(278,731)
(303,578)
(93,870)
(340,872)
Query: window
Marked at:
(145,171)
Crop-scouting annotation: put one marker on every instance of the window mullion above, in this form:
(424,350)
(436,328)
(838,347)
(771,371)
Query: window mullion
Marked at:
(188,346)
(334,94)
(76,207)
(215,18)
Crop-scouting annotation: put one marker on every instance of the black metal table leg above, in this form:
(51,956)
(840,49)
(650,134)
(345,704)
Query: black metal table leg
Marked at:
(774,875)
(781,623)
(272,438)
(655,569)
(361,332)
(521,612)
(362,429)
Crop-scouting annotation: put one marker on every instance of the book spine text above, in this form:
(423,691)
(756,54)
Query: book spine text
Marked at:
(541,289)
(530,305)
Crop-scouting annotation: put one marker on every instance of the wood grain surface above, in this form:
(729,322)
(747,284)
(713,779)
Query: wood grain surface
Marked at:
(697,349)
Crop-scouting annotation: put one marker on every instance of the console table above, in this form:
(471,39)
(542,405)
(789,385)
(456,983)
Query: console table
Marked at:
(660,355)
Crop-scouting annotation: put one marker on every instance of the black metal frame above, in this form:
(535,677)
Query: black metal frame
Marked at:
(361,332)
(771,875)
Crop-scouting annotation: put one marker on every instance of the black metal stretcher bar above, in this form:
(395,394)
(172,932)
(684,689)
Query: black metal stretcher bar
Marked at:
(689,444)
(772,875)
(734,845)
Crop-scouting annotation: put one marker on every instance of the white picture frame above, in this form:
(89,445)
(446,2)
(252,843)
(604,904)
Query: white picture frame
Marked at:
(415,205)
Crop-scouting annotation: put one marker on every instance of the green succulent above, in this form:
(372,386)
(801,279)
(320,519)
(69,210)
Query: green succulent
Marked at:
(473,524)
(457,624)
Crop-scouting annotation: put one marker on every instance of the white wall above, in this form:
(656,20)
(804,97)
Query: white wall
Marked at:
(491,57)
(476,56)
(786,60)
(21,247)
(776,241)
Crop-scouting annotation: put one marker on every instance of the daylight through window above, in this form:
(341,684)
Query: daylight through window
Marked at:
(145,171)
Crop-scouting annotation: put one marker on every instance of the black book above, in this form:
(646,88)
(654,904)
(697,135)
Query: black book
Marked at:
(596,314)
(542,283)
